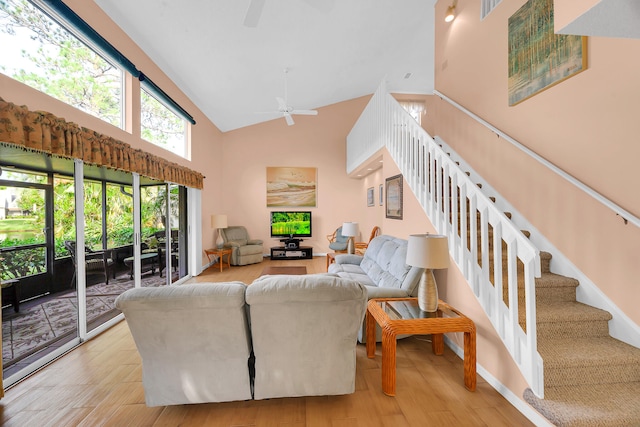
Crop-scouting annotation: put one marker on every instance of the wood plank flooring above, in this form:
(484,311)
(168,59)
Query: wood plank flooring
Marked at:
(100,383)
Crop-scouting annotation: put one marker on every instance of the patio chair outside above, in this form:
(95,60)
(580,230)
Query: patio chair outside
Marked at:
(96,262)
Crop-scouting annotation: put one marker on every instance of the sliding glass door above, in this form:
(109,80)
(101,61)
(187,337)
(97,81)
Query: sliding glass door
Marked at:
(31,321)
(69,248)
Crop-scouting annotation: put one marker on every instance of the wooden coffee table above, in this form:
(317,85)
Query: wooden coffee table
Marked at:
(403,316)
(273,269)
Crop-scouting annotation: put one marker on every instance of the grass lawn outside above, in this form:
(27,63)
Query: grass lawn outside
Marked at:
(19,228)
(19,224)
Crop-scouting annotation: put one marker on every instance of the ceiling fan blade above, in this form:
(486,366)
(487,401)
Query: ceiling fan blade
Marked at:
(282,105)
(289,119)
(253,13)
(305,112)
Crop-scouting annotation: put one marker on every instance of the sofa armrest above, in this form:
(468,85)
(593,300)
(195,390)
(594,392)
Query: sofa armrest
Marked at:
(380,292)
(232,245)
(254,242)
(348,259)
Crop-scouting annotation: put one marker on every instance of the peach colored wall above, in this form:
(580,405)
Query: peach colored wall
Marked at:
(205,137)
(566,11)
(315,141)
(586,125)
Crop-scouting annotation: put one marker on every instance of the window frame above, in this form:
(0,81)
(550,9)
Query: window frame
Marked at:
(70,28)
(150,92)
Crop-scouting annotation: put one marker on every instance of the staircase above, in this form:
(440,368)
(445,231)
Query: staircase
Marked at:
(590,378)
(578,374)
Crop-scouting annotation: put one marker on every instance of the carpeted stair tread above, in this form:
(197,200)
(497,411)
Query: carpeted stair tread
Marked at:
(605,405)
(569,312)
(604,351)
(552,280)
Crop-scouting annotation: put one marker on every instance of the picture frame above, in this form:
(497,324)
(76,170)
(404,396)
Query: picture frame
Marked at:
(393,191)
(370,197)
(381,190)
(533,47)
(291,186)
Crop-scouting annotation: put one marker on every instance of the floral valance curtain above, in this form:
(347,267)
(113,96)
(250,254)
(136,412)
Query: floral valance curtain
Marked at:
(42,131)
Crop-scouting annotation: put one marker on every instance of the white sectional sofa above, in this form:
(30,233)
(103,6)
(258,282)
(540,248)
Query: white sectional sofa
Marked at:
(382,270)
(203,342)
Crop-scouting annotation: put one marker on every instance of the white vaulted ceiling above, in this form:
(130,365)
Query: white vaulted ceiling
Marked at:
(335,50)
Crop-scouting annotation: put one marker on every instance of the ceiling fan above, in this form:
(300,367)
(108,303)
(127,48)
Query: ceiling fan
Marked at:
(286,110)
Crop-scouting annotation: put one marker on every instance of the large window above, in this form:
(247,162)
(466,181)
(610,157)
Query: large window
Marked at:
(41,53)
(161,126)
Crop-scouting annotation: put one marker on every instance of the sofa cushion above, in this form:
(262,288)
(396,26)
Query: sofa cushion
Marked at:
(250,250)
(304,330)
(193,339)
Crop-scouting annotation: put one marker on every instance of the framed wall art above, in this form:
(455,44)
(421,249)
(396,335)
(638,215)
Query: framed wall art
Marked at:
(381,197)
(291,186)
(539,58)
(393,191)
(370,197)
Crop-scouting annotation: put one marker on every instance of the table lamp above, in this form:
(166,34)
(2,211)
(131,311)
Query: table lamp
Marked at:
(218,222)
(350,230)
(428,251)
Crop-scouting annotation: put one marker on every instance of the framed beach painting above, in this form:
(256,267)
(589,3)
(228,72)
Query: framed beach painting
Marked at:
(393,190)
(538,58)
(291,186)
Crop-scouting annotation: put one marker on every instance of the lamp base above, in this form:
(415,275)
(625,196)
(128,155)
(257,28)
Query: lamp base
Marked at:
(219,240)
(428,292)
(350,246)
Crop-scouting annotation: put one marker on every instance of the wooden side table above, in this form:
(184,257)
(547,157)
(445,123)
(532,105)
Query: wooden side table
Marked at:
(403,316)
(220,253)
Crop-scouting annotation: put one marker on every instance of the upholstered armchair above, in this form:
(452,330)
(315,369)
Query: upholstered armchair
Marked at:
(244,250)
(338,242)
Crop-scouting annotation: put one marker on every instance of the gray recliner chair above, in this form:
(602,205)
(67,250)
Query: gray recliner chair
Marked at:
(244,250)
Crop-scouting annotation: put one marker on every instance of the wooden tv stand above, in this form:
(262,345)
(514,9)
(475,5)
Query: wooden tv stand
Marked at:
(301,252)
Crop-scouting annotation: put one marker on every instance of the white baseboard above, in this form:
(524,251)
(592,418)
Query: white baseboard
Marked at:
(517,402)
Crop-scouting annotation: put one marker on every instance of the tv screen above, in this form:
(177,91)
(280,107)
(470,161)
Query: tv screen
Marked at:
(291,224)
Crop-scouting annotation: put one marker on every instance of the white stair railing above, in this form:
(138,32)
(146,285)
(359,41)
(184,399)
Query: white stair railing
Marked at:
(481,237)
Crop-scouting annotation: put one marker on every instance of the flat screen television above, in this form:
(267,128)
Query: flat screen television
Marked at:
(291,224)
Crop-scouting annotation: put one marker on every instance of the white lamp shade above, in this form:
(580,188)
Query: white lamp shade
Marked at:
(428,251)
(218,221)
(350,229)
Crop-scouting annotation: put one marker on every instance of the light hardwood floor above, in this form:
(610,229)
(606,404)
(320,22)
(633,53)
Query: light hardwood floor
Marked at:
(99,383)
